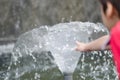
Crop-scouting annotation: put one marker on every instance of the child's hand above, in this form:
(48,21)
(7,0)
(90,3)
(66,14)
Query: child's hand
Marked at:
(80,46)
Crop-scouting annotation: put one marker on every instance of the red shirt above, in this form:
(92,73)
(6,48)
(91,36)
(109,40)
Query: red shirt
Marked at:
(115,45)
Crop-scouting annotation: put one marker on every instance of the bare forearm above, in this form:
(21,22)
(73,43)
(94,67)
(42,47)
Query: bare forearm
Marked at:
(97,44)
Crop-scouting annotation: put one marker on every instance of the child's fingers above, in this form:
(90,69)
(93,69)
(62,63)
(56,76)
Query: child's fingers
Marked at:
(77,42)
(76,48)
(80,46)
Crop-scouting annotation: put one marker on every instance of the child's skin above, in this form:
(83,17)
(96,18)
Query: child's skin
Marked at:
(92,46)
(111,19)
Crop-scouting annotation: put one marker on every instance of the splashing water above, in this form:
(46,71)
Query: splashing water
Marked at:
(61,42)
(36,53)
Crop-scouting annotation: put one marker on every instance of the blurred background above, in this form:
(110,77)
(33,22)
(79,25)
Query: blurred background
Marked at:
(19,16)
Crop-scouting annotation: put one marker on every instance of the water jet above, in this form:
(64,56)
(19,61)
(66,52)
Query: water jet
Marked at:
(51,50)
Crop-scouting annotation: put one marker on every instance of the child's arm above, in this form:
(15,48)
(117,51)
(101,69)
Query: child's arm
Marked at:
(94,45)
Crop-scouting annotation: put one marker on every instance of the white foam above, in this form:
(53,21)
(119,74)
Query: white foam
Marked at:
(6,48)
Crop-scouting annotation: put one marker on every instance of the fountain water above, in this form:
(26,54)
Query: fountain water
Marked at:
(36,53)
(60,40)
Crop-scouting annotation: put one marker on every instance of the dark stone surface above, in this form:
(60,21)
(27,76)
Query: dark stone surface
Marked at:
(5,59)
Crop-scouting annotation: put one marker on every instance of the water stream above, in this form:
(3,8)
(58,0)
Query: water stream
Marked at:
(47,52)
